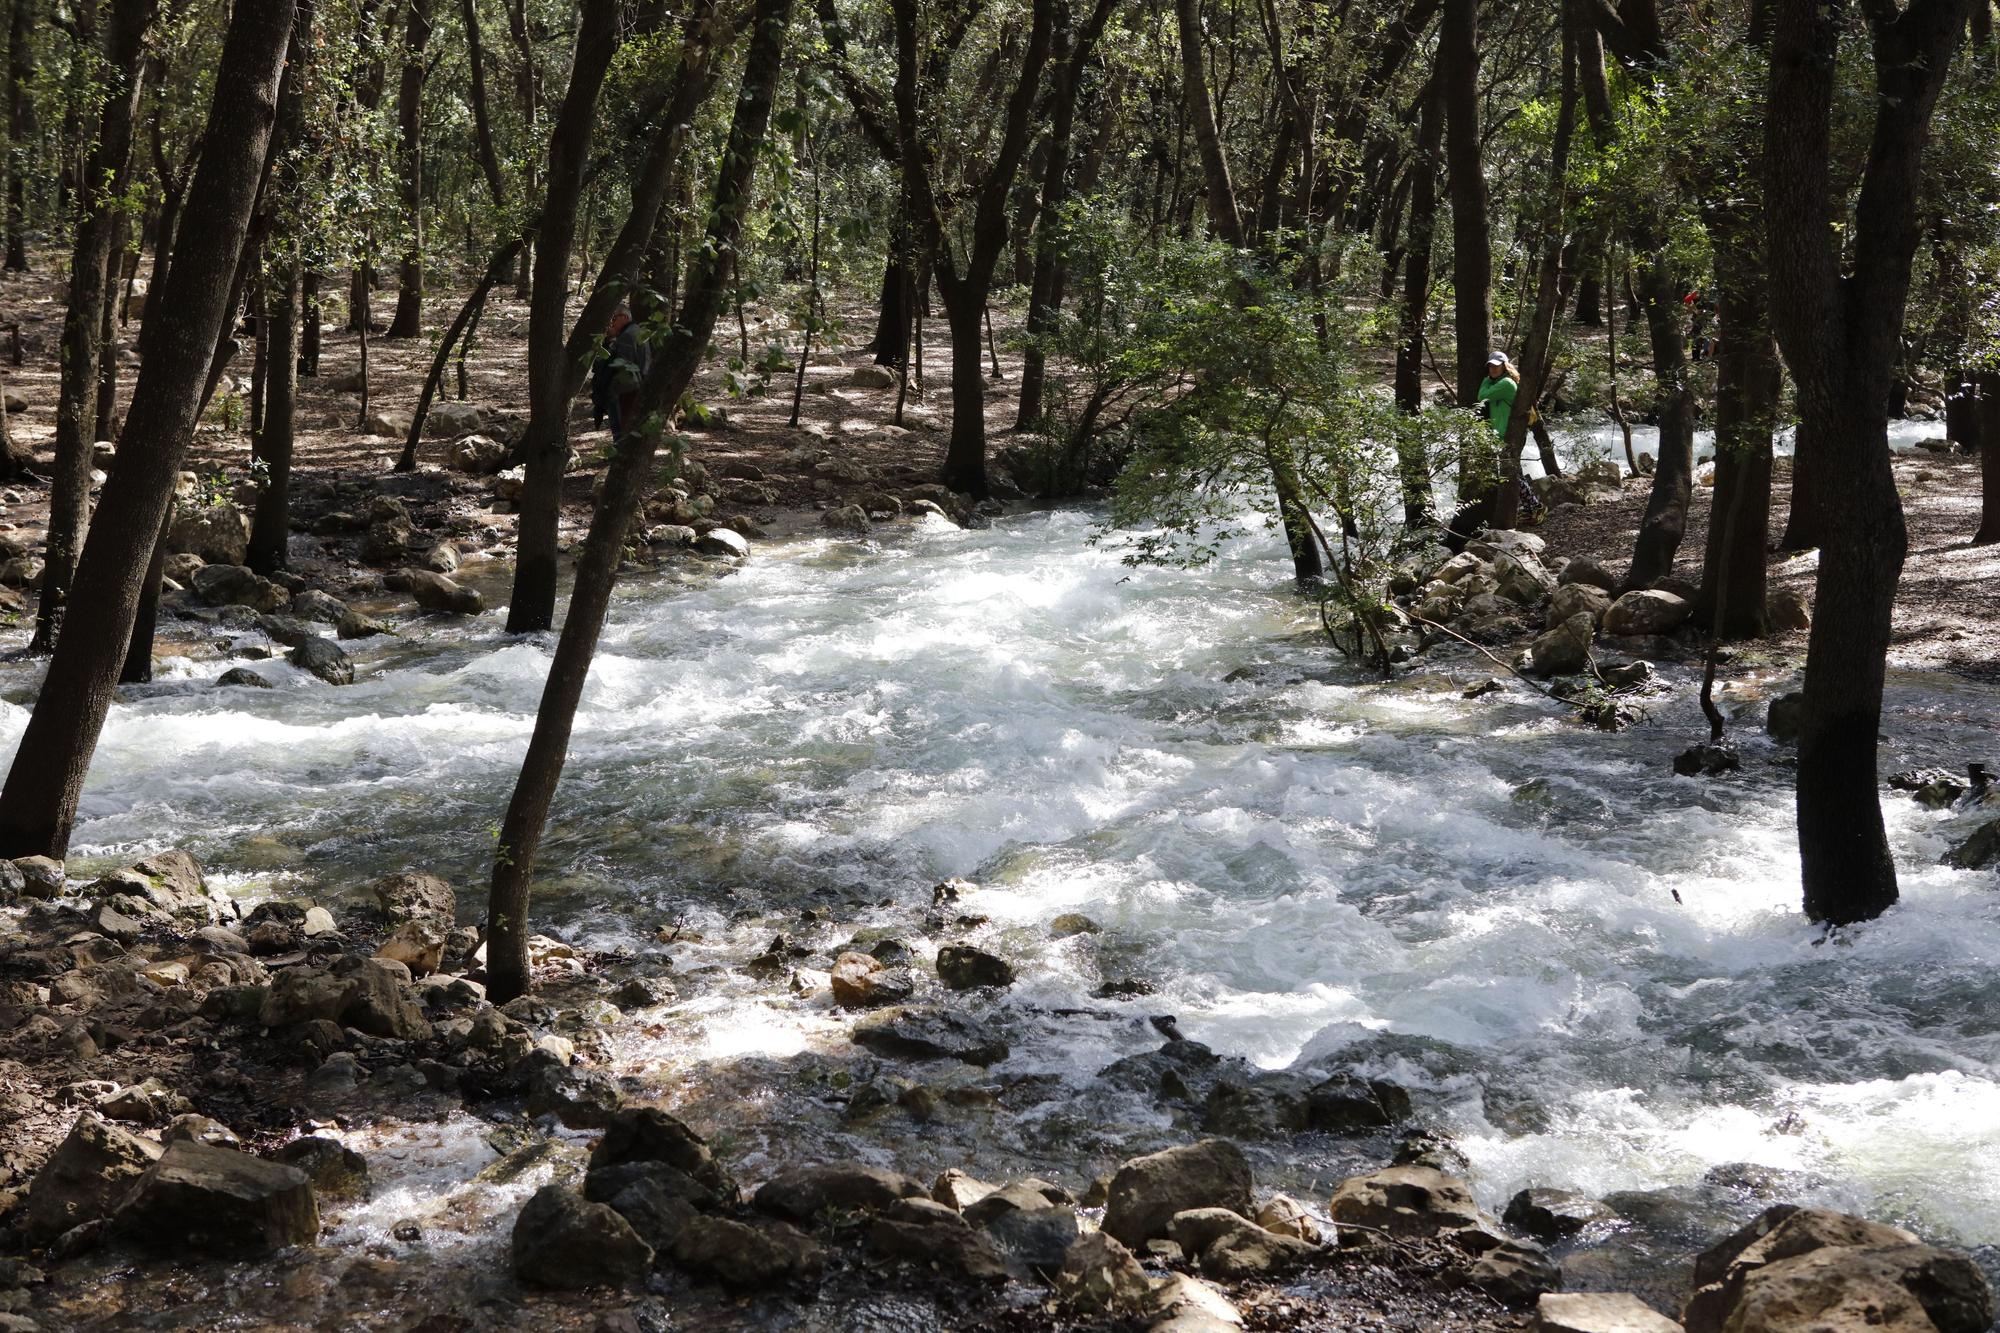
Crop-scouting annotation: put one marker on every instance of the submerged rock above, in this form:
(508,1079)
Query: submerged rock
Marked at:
(931,1034)
(323,658)
(1553,1215)
(962,967)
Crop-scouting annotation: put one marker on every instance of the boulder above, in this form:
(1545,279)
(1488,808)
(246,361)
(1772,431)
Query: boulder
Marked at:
(1100,1276)
(803,1194)
(385,422)
(332,1166)
(242,676)
(723,542)
(872,377)
(649,1134)
(1785,611)
(1404,1201)
(219,1201)
(1786,714)
(442,559)
(1894,1289)
(1510,1272)
(417,897)
(169,883)
(860,981)
(434,592)
(234,585)
(1978,850)
(323,658)
(1147,1192)
(316,606)
(562,1240)
(1522,578)
(849,519)
(930,1034)
(1582,569)
(376,999)
(1072,923)
(417,945)
(658,1179)
(1037,1239)
(1231,1247)
(1786,1232)
(217,533)
(89,1173)
(750,1255)
(1564,650)
(1572,598)
(933,1235)
(650,1203)
(1288,1217)
(1598,1312)
(962,967)
(480,455)
(1553,1215)
(41,876)
(1647,611)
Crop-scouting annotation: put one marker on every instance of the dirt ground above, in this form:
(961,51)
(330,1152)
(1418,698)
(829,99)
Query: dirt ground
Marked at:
(1947,606)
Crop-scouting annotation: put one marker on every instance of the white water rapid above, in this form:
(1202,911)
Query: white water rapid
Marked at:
(1476,898)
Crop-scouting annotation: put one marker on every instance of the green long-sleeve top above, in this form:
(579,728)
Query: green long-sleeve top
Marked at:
(1500,393)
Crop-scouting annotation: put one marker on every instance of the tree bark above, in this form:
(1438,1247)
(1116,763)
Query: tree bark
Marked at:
(90,259)
(20,71)
(626,483)
(1471,237)
(1838,318)
(482,121)
(1989,460)
(1416,485)
(409,319)
(38,803)
(556,377)
(544,446)
(1665,520)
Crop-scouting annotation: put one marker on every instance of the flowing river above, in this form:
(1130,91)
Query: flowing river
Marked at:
(1593,974)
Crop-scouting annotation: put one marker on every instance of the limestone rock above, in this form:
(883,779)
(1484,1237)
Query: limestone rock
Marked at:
(415,896)
(1897,1289)
(1571,598)
(234,585)
(1100,1276)
(479,455)
(931,1034)
(1599,1312)
(1146,1192)
(1288,1217)
(962,967)
(1404,1201)
(1647,611)
(804,1193)
(218,533)
(85,1178)
(747,1255)
(1564,650)
(723,542)
(562,1240)
(219,1201)
(323,658)
(434,592)
(649,1134)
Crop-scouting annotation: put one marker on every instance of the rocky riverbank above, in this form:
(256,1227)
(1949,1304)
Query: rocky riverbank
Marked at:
(208,1112)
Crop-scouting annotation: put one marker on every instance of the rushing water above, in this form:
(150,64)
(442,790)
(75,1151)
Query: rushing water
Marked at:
(1594,972)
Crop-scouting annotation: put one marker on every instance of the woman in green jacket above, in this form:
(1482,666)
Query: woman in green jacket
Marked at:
(1496,394)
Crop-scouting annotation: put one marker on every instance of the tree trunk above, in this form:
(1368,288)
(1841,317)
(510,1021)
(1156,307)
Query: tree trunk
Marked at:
(1471,239)
(625,486)
(1589,300)
(1416,484)
(38,803)
(482,122)
(90,260)
(20,72)
(271,522)
(409,320)
(1665,520)
(1989,460)
(544,446)
(497,268)
(1838,317)
(138,667)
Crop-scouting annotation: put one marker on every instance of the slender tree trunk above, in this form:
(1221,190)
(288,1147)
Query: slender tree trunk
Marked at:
(1665,520)
(1416,482)
(497,268)
(271,522)
(104,402)
(38,803)
(138,667)
(544,445)
(90,260)
(1989,460)
(409,320)
(20,72)
(482,123)
(1471,238)
(626,483)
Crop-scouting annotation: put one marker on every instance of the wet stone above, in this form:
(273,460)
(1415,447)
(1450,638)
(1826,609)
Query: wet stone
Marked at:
(931,1034)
